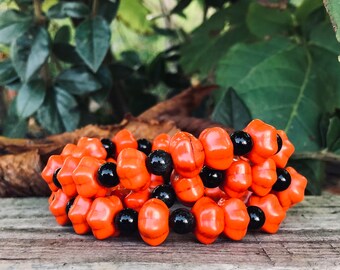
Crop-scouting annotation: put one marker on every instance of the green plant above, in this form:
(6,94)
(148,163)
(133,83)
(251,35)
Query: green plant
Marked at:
(274,60)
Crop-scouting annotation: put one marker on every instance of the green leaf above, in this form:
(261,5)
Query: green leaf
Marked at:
(66,53)
(14,126)
(333,134)
(279,83)
(181,5)
(333,9)
(108,9)
(7,72)
(68,9)
(93,41)
(67,107)
(77,81)
(133,13)
(264,21)
(30,97)
(63,35)
(29,52)
(13,23)
(104,76)
(306,8)
(231,111)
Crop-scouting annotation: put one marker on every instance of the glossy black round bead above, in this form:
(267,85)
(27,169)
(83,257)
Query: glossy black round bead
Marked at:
(127,221)
(257,217)
(242,142)
(283,180)
(110,147)
(107,175)
(182,221)
(55,178)
(165,193)
(279,142)
(211,178)
(144,146)
(159,162)
(69,205)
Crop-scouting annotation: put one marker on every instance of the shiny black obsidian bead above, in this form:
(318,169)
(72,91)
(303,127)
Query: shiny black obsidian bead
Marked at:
(107,175)
(283,180)
(165,193)
(182,221)
(110,147)
(257,217)
(127,221)
(279,142)
(145,146)
(55,178)
(69,205)
(159,162)
(211,178)
(242,142)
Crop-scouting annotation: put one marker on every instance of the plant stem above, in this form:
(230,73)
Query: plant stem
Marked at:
(322,155)
(95,7)
(37,11)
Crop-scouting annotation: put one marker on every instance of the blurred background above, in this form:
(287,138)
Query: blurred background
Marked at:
(66,64)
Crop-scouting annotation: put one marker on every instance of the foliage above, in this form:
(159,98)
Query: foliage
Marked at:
(72,63)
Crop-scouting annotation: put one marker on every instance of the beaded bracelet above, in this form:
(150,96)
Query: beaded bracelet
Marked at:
(233,184)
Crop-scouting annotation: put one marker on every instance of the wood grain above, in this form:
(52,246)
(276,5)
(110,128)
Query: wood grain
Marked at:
(308,239)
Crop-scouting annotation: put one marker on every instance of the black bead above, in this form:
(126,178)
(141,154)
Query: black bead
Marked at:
(165,193)
(127,221)
(110,147)
(279,142)
(69,205)
(242,142)
(144,146)
(159,162)
(182,221)
(283,180)
(211,178)
(55,178)
(257,217)
(107,175)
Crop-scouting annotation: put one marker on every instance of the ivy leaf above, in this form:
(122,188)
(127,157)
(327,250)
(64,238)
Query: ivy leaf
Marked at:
(13,23)
(104,76)
(92,41)
(279,83)
(30,97)
(306,8)
(63,35)
(14,126)
(108,9)
(66,53)
(29,52)
(7,72)
(67,107)
(231,111)
(77,81)
(68,9)
(333,9)
(264,21)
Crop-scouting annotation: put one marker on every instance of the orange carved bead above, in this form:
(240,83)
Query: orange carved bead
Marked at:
(54,163)
(263,177)
(215,193)
(58,207)
(281,158)
(93,146)
(124,139)
(78,213)
(136,199)
(65,176)
(162,142)
(156,180)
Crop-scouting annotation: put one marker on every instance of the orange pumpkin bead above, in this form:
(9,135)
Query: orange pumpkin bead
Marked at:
(187,154)
(274,213)
(136,199)
(236,218)
(101,216)
(218,148)
(209,220)
(58,207)
(85,178)
(54,163)
(132,170)
(68,149)
(65,176)
(238,179)
(281,158)
(161,142)
(295,192)
(188,190)
(93,146)
(263,177)
(120,191)
(153,222)
(215,193)
(264,141)
(124,139)
(156,180)
(78,213)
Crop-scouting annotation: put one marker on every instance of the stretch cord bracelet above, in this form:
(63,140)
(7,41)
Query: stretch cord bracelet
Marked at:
(228,184)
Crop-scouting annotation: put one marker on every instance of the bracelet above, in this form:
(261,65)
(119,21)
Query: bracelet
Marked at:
(227,184)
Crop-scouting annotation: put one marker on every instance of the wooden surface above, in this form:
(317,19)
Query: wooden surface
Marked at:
(308,239)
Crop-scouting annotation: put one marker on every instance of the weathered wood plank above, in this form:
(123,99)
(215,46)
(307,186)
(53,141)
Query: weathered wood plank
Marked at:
(308,239)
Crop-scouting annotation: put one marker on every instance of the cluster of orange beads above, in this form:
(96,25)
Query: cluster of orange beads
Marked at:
(228,184)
